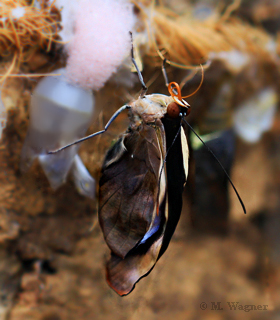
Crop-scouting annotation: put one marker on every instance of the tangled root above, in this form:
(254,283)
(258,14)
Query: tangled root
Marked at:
(26,27)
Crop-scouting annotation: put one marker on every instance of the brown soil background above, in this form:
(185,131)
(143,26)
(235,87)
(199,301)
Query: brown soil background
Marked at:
(52,252)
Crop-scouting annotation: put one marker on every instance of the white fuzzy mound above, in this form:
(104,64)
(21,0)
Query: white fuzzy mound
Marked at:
(101,41)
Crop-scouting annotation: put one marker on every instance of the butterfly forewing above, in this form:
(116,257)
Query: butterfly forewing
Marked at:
(123,273)
(129,188)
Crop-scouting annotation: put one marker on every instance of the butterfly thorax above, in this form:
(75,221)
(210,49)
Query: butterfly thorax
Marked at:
(149,108)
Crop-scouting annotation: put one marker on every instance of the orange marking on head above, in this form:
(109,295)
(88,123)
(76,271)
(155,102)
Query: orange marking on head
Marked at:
(173,86)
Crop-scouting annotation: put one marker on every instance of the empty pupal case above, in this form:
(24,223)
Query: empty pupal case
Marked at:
(60,113)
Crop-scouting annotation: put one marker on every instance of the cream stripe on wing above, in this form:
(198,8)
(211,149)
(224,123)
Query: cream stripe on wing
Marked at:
(185,152)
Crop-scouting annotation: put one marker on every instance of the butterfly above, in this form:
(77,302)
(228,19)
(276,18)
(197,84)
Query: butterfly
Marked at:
(142,181)
(140,190)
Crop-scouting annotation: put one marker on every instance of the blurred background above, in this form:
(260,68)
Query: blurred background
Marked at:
(52,251)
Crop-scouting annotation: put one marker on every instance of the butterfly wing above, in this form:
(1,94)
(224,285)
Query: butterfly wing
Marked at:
(177,173)
(123,272)
(129,188)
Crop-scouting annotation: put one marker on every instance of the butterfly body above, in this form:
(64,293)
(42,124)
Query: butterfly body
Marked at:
(149,108)
(140,195)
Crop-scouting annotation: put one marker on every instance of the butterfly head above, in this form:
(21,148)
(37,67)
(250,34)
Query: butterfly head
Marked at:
(178,107)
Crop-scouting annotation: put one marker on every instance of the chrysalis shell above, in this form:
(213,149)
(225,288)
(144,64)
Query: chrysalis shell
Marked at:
(59,114)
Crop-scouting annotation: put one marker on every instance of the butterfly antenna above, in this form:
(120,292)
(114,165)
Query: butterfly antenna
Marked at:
(166,78)
(164,72)
(229,179)
(144,87)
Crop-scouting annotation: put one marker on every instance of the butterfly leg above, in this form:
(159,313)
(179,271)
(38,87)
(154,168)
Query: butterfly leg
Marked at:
(114,116)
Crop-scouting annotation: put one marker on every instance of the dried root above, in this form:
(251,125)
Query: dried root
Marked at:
(25,28)
(188,42)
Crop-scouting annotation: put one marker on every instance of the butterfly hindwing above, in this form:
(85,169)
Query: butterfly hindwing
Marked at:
(177,170)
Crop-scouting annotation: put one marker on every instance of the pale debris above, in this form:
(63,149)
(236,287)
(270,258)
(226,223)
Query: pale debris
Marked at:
(3,116)
(18,12)
(255,116)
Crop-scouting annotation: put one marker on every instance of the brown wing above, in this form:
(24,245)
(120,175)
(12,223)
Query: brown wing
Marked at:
(129,189)
(123,274)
